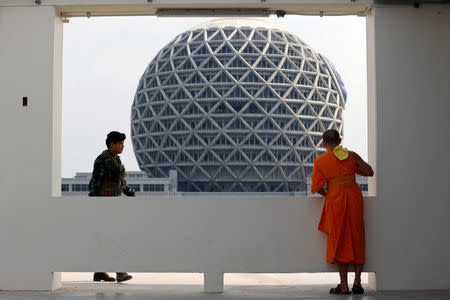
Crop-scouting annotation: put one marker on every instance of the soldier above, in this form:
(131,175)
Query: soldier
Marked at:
(108,179)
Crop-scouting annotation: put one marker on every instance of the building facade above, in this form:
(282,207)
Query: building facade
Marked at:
(139,181)
(142,184)
(235,105)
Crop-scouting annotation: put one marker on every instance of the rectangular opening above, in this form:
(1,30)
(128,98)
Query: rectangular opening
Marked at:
(291,279)
(101,78)
(141,281)
(79,280)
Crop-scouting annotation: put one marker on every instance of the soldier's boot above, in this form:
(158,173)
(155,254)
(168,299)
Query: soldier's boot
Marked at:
(123,277)
(101,276)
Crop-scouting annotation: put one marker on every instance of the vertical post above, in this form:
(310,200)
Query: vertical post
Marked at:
(371,101)
(56,280)
(57,106)
(213,282)
(372,281)
(173,179)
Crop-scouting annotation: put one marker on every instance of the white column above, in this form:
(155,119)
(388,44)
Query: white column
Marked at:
(371,102)
(409,71)
(173,179)
(31,62)
(213,282)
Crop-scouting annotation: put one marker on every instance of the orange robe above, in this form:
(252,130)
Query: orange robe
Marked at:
(343,211)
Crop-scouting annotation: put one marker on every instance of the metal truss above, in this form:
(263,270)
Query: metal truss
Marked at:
(235,106)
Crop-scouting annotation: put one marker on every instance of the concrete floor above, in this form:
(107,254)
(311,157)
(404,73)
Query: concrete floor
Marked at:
(177,286)
(177,292)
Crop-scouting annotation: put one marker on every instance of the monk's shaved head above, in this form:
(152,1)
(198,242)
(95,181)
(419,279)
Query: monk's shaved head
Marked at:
(331,137)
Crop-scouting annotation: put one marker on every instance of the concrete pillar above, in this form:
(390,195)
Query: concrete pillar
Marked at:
(173,179)
(31,63)
(56,280)
(409,108)
(371,102)
(372,281)
(213,282)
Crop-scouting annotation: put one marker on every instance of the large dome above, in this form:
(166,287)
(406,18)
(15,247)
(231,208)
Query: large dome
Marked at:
(235,105)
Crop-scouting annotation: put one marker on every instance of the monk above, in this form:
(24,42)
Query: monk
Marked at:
(343,211)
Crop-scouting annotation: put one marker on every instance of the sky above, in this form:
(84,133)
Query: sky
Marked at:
(104,59)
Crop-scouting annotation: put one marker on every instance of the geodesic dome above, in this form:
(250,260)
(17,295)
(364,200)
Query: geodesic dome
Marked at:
(235,105)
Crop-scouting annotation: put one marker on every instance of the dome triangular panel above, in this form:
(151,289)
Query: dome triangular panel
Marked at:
(257,36)
(237,45)
(198,36)
(187,65)
(238,36)
(141,99)
(214,45)
(274,59)
(294,106)
(287,64)
(228,31)
(237,74)
(221,109)
(223,77)
(199,60)
(225,49)
(218,36)
(246,31)
(211,63)
(202,49)
(264,63)
(237,93)
(196,78)
(224,59)
(250,59)
(250,49)
(276,37)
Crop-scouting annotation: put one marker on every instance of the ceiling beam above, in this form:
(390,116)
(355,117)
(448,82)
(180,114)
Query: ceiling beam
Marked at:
(83,8)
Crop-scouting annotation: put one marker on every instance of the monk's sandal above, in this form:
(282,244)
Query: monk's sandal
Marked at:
(357,289)
(337,291)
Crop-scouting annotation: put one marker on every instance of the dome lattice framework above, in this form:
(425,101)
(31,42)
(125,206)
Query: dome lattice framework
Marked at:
(238,107)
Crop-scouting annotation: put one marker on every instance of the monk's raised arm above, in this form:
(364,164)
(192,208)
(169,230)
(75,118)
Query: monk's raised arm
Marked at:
(362,168)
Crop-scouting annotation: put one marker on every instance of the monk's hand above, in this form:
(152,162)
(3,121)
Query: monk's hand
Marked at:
(323,192)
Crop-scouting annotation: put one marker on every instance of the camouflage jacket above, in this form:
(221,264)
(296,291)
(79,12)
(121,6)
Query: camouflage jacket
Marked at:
(108,177)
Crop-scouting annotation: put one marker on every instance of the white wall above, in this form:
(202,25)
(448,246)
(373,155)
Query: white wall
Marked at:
(407,224)
(30,65)
(409,107)
(207,234)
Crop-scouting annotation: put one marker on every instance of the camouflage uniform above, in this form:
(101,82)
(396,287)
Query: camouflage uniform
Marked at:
(108,177)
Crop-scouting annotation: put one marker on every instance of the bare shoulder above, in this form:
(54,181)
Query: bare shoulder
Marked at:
(354,155)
